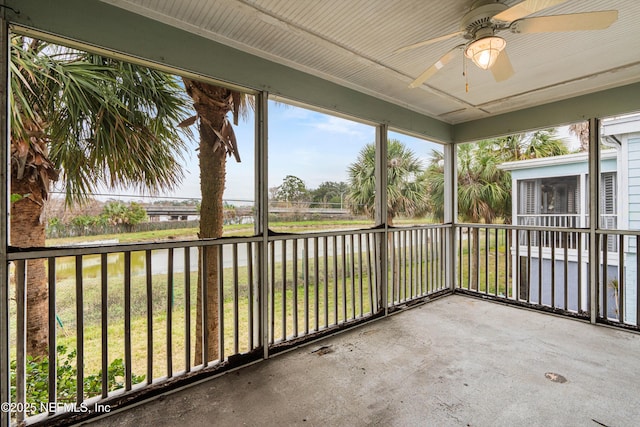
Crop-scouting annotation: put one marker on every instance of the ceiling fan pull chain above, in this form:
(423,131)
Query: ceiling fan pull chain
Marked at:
(465,74)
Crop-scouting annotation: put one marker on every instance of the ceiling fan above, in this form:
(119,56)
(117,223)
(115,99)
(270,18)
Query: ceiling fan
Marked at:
(488,17)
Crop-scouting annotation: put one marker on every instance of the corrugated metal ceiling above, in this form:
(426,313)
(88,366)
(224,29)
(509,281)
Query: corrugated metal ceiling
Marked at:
(351,42)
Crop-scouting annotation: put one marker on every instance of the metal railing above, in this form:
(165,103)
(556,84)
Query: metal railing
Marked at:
(501,261)
(619,275)
(129,313)
(319,281)
(132,307)
(416,260)
(125,318)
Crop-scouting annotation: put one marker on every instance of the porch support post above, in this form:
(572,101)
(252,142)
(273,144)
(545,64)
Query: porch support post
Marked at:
(594,217)
(5,391)
(261,177)
(450,211)
(381,215)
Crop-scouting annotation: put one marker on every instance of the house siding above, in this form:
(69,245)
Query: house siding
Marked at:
(631,273)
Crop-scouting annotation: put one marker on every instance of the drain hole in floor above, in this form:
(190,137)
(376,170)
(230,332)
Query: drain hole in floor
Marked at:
(556,378)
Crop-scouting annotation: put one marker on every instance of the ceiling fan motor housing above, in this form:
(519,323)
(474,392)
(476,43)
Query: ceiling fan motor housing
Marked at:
(477,22)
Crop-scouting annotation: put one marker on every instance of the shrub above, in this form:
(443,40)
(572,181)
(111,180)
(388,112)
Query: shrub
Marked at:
(37,374)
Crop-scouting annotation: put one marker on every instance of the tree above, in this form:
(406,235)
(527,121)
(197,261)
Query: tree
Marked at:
(406,188)
(119,213)
(292,189)
(89,121)
(581,130)
(330,192)
(217,142)
(484,190)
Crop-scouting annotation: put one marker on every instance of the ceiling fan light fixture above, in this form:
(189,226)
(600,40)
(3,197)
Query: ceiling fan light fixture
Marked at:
(484,51)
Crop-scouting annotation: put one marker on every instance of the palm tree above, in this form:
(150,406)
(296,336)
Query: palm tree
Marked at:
(217,142)
(406,188)
(89,121)
(484,190)
(581,130)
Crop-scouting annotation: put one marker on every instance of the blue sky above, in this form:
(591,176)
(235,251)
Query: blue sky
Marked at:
(313,146)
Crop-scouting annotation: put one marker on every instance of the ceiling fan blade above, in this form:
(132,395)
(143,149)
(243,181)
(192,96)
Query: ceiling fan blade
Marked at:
(427,42)
(502,69)
(572,22)
(524,8)
(435,67)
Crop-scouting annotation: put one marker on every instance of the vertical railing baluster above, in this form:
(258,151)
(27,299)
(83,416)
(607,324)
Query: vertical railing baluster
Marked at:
(221,323)
(460,252)
(335,279)
(352,274)
(428,262)
(272,292)
(204,273)
(579,279)
(169,312)
(369,274)
(283,266)
(295,287)
(251,296)
(637,281)
(344,277)
(566,268)
(540,269)
(79,332)
(325,254)
(496,263)
(104,322)
(420,243)
(236,301)
(443,261)
(411,265)
(305,261)
(392,253)
(552,236)
(476,255)
(21,339)
(149,287)
(53,356)
(621,296)
(507,260)
(469,255)
(360,273)
(529,269)
(487,237)
(403,265)
(316,279)
(377,299)
(605,273)
(127,321)
(187,308)
(518,267)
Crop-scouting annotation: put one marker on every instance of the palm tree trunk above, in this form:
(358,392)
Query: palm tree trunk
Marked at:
(212,158)
(27,230)
(212,178)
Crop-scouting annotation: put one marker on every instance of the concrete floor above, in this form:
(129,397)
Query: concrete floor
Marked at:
(457,361)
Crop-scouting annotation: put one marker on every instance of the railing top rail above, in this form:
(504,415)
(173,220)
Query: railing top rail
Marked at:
(524,227)
(16,254)
(618,232)
(419,227)
(289,236)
